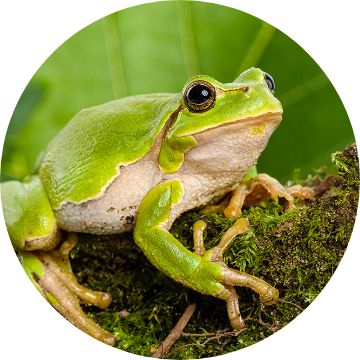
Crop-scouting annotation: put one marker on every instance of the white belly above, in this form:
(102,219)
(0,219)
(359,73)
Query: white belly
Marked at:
(114,211)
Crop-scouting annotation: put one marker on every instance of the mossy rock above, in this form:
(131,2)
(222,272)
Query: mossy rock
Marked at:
(297,251)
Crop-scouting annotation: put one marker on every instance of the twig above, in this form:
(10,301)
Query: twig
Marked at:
(211,336)
(290,303)
(206,334)
(271,327)
(175,333)
(223,334)
(216,334)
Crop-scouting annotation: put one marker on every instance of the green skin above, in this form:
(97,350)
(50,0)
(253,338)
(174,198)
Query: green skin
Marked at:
(85,157)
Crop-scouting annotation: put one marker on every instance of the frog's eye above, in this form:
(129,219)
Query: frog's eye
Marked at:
(199,96)
(269,81)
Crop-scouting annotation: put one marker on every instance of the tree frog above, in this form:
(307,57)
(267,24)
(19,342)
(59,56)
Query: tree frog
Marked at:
(137,163)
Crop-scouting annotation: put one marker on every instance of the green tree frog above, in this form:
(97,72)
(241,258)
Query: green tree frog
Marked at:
(136,164)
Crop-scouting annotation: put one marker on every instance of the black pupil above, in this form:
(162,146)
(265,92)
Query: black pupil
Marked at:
(199,94)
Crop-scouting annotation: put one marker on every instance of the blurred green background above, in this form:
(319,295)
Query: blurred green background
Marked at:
(155,48)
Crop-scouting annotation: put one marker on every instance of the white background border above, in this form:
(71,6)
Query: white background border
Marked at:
(32,30)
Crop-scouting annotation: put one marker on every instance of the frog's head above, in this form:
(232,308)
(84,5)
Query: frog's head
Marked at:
(224,126)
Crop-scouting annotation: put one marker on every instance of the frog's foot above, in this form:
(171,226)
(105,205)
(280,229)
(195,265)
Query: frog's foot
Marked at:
(59,286)
(230,277)
(263,187)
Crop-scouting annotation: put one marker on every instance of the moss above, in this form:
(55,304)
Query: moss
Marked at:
(297,251)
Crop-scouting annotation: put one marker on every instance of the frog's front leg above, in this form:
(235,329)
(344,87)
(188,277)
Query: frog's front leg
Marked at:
(34,233)
(268,294)
(203,271)
(263,187)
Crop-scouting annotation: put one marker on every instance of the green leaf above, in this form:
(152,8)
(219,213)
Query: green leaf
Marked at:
(156,47)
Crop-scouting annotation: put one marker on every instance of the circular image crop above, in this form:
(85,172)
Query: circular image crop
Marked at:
(179,188)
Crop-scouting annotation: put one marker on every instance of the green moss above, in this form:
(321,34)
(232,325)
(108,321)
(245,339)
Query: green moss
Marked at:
(297,251)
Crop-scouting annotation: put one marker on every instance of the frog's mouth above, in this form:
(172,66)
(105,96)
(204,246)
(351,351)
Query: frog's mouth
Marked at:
(273,118)
(266,117)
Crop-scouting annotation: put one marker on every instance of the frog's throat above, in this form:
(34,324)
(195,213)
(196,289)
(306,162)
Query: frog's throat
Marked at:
(173,149)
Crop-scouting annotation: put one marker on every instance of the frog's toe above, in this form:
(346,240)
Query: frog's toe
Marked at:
(269,297)
(232,304)
(233,209)
(263,187)
(67,303)
(268,294)
(102,299)
(57,262)
(227,278)
(304,192)
(216,208)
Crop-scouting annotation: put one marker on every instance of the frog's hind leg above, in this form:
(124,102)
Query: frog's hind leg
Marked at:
(263,187)
(55,280)
(34,233)
(217,208)
(57,261)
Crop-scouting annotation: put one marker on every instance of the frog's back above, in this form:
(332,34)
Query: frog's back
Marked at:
(87,154)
